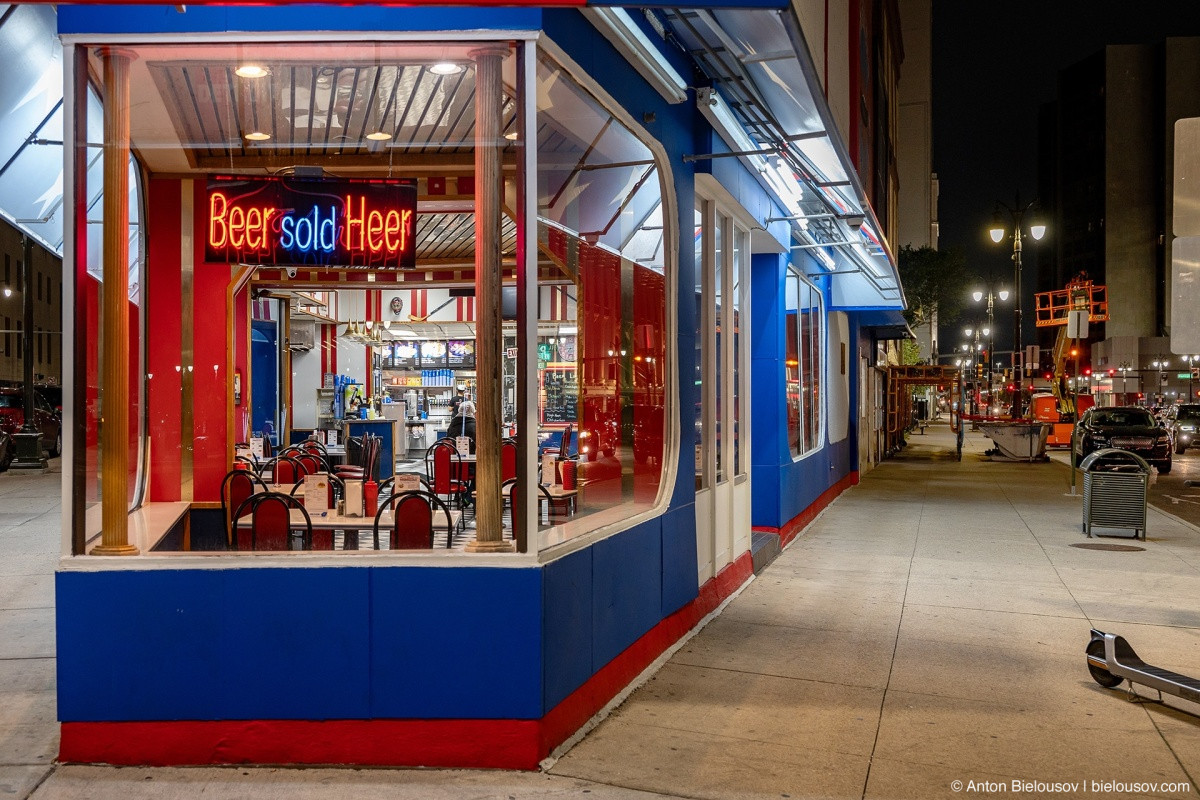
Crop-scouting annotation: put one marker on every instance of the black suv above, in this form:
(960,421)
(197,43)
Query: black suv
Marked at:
(1127,428)
(1185,427)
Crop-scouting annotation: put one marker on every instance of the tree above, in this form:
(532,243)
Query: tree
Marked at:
(935,285)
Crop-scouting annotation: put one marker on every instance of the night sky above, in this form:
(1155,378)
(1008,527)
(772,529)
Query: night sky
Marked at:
(993,66)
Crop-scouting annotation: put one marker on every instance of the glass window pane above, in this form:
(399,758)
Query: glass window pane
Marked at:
(792,361)
(601,236)
(739,252)
(718,273)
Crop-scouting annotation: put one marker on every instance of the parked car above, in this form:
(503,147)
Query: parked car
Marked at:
(12,418)
(6,451)
(1185,427)
(1126,428)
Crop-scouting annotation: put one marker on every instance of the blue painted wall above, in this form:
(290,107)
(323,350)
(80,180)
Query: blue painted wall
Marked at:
(271,19)
(303,643)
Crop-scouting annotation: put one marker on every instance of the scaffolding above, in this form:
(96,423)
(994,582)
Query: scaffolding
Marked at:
(901,380)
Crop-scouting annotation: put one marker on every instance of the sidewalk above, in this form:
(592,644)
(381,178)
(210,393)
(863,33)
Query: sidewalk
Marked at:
(927,628)
(30,537)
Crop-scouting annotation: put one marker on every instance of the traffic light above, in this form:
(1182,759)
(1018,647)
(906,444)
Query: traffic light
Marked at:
(1087,371)
(979,371)
(1112,372)
(1048,376)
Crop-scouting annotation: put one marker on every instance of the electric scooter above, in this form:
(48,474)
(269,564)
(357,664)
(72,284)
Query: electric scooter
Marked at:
(1111,660)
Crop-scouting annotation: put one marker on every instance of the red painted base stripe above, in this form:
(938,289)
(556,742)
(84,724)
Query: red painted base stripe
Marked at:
(496,744)
(487,744)
(791,529)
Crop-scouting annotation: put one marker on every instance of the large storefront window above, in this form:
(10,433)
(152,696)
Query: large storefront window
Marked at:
(604,239)
(805,338)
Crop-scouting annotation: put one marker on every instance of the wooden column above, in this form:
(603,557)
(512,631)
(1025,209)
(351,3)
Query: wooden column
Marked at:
(114,408)
(489,533)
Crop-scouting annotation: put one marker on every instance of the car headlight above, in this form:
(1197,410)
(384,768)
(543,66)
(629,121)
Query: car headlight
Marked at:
(1188,428)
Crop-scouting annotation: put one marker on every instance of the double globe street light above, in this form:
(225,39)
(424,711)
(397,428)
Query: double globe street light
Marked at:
(992,296)
(1016,229)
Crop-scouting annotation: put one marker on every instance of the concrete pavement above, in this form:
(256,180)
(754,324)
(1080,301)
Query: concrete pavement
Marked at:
(30,533)
(927,628)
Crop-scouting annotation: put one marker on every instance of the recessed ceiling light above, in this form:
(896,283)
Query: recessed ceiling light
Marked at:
(379,136)
(512,137)
(251,71)
(258,136)
(446,68)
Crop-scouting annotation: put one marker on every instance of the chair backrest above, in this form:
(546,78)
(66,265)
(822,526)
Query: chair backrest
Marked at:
(271,523)
(311,462)
(412,520)
(354,451)
(287,470)
(237,486)
(447,466)
(508,460)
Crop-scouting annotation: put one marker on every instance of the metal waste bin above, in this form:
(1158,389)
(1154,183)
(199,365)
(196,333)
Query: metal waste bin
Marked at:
(1114,490)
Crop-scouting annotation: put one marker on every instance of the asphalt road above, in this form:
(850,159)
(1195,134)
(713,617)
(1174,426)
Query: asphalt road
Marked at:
(1168,492)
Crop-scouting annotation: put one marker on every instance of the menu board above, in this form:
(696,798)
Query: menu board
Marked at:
(560,393)
(433,355)
(406,355)
(461,353)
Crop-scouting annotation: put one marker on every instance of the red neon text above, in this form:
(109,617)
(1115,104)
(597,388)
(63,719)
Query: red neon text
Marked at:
(243,229)
(376,231)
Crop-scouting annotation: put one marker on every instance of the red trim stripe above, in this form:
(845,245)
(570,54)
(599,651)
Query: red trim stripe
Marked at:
(792,527)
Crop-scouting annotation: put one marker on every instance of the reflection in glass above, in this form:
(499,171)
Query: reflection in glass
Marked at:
(601,240)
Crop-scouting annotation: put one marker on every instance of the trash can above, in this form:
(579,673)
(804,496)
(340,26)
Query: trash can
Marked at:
(1114,490)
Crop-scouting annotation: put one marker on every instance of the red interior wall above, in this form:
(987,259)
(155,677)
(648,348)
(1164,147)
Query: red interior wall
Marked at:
(210,346)
(163,346)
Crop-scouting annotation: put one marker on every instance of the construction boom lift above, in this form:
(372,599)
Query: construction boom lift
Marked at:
(1050,308)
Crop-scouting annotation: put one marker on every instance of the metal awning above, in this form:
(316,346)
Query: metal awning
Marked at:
(760,67)
(886,324)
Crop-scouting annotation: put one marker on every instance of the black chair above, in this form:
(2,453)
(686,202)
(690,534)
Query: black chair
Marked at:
(412,520)
(271,523)
(236,487)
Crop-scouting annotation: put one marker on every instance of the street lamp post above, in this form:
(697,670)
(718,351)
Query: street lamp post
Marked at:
(977,296)
(998,231)
(1190,362)
(1160,365)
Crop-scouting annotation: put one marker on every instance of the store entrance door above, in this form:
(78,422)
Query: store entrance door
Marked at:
(722,369)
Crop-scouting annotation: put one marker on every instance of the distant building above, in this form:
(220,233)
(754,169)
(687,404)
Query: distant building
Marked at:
(1106,161)
(47,310)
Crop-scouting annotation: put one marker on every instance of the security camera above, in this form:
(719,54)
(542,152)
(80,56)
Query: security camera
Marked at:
(291,272)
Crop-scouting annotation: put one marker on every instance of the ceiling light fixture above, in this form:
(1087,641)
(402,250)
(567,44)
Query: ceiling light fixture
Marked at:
(379,136)
(251,71)
(446,68)
(258,136)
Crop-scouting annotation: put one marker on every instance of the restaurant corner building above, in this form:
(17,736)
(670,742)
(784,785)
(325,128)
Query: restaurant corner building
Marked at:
(643,223)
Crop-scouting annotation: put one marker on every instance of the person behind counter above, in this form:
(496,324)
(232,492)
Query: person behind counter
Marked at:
(463,423)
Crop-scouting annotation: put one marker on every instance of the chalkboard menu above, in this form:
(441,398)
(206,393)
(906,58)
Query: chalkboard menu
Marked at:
(433,355)
(461,353)
(405,355)
(560,396)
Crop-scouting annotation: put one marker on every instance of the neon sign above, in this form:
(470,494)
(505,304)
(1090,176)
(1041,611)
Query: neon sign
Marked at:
(368,223)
